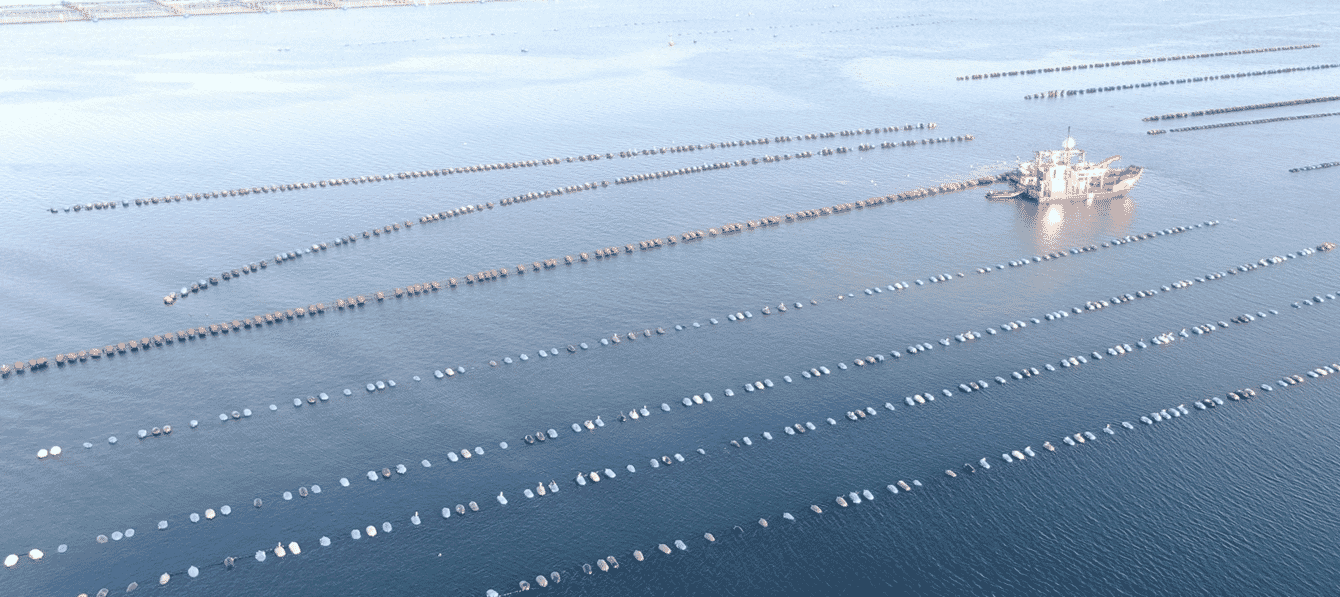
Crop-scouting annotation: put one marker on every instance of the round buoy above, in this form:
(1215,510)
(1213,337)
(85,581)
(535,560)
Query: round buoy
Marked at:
(344,482)
(386,526)
(162,525)
(316,489)
(371,531)
(325,542)
(111,440)
(192,572)
(257,502)
(162,580)
(116,535)
(101,538)
(62,548)
(41,453)
(130,533)
(260,556)
(288,496)
(35,554)
(194,518)
(426,464)
(355,534)
(226,510)
(11,561)
(209,513)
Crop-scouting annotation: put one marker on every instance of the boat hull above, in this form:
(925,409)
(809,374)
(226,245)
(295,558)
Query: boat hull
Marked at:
(1119,187)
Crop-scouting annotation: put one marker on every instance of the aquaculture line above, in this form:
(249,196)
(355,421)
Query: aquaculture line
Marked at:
(1054,69)
(1240,123)
(135,345)
(1057,93)
(255,266)
(625,154)
(1213,111)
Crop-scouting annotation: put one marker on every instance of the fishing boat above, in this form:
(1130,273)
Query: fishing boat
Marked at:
(1065,174)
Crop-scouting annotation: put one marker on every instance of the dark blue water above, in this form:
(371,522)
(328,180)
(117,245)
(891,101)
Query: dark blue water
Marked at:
(1234,500)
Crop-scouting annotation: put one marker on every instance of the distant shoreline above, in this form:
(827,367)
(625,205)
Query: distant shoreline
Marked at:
(22,14)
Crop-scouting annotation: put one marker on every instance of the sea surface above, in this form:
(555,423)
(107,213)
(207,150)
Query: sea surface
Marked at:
(1235,500)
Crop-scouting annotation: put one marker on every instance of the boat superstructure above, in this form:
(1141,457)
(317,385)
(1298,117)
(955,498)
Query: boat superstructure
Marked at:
(1067,175)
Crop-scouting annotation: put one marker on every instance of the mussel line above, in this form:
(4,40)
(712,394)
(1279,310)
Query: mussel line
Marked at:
(492,274)
(315,248)
(1116,242)
(1213,111)
(629,153)
(1058,93)
(902,486)
(1073,67)
(1221,125)
(813,372)
(1009,457)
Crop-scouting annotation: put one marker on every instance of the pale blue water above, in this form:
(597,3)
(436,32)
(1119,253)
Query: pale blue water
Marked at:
(1234,500)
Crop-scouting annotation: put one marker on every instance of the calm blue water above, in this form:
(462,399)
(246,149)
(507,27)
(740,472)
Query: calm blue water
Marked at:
(1234,500)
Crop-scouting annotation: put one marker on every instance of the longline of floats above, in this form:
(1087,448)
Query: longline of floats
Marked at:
(353,302)
(255,266)
(1265,106)
(293,548)
(1315,167)
(1205,127)
(360,300)
(1059,93)
(595,476)
(819,371)
(366,179)
(1131,61)
(1012,456)
(1116,242)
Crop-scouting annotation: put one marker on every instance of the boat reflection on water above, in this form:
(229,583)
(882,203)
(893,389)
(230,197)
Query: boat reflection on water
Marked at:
(1050,227)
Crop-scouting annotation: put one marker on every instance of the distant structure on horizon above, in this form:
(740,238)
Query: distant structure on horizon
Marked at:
(68,11)
(1065,175)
